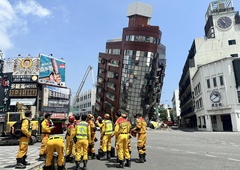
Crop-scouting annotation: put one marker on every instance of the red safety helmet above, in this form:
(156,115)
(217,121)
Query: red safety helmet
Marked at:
(71,119)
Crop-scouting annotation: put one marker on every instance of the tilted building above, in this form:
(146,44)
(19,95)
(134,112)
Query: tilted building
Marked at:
(131,71)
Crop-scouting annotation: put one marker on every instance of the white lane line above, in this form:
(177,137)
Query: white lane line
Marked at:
(175,150)
(231,159)
(210,155)
(191,152)
(232,143)
(148,146)
(160,148)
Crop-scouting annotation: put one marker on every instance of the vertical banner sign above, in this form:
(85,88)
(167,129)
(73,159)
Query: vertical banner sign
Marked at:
(52,71)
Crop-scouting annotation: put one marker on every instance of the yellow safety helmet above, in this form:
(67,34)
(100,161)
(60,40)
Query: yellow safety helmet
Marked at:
(90,116)
(106,116)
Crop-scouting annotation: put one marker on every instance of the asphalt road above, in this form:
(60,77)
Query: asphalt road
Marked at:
(166,150)
(182,150)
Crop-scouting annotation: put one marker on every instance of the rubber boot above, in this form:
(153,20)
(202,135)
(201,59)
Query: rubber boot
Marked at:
(85,165)
(140,160)
(42,158)
(93,156)
(24,162)
(67,158)
(104,156)
(108,155)
(144,157)
(77,163)
(60,167)
(121,164)
(128,163)
(46,167)
(19,164)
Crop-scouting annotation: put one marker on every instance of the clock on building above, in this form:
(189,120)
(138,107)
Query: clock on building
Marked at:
(224,22)
(215,97)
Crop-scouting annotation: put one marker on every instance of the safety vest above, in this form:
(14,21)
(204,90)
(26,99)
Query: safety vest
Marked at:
(82,130)
(109,127)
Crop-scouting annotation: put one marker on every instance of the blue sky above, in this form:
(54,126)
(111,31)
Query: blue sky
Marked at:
(77,31)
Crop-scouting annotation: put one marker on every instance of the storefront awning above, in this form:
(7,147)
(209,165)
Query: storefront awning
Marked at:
(25,101)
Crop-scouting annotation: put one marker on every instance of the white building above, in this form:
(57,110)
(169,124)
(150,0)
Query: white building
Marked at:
(209,95)
(217,97)
(86,102)
(176,106)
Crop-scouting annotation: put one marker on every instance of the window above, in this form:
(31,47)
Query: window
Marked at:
(214,82)
(208,83)
(234,55)
(221,80)
(238,94)
(231,42)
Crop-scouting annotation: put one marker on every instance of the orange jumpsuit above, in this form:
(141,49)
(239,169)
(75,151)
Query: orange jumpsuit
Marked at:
(69,140)
(100,125)
(46,131)
(24,140)
(93,136)
(55,143)
(83,134)
(141,129)
(107,131)
(122,131)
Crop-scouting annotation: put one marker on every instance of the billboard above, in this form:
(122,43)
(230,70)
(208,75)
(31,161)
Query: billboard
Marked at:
(26,66)
(52,71)
(8,66)
(56,99)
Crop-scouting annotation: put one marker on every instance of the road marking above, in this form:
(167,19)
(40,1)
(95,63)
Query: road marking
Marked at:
(191,152)
(210,155)
(160,148)
(148,146)
(175,150)
(232,143)
(231,159)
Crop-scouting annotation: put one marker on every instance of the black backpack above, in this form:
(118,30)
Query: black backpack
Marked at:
(16,131)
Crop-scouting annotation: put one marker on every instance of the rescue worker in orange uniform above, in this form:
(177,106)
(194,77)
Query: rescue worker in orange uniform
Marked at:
(46,127)
(77,121)
(99,123)
(83,134)
(122,131)
(107,132)
(55,143)
(70,153)
(93,135)
(118,118)
(24,140)
(141,129)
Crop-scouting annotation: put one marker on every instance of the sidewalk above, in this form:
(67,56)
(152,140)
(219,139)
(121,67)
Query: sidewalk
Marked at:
(8,157)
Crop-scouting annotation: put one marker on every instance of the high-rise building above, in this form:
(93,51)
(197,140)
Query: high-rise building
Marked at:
(208,88)
(131,71)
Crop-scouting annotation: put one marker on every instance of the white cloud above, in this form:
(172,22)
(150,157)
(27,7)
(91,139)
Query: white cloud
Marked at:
(7,19)
(12,23)
(32,7)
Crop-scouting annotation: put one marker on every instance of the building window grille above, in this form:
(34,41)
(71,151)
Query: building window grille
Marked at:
(214,82)
(208,83)
(221,80)
(231,42)
(234,55)
(238,94)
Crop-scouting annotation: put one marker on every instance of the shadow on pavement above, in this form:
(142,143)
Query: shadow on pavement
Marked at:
(10,166)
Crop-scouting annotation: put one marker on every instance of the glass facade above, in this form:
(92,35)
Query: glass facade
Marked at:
(137,65)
